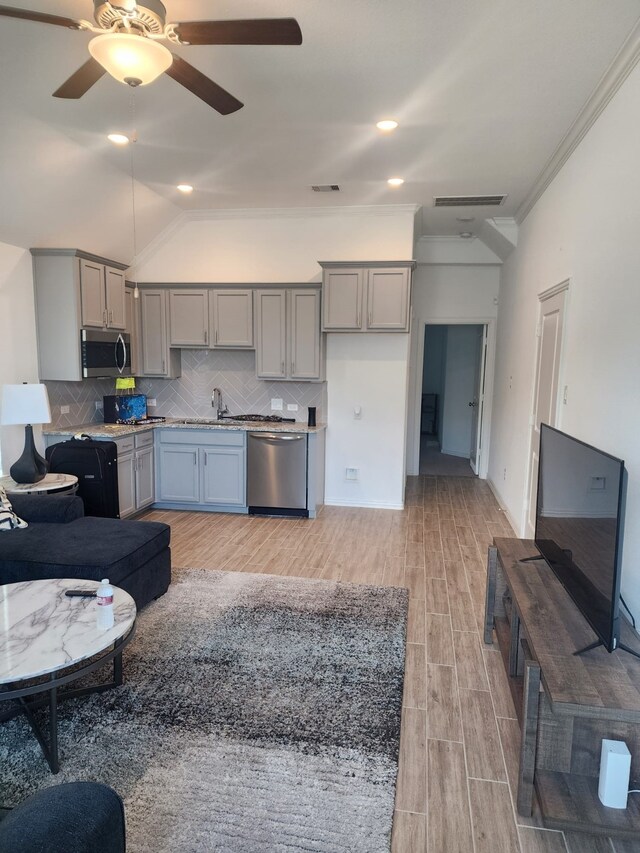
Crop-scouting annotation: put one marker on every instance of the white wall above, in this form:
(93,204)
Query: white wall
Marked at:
(369,371)
(448,293)
(585,228)
(365,370)
(18,353)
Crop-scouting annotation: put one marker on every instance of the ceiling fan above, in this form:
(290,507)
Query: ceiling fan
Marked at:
(127,45)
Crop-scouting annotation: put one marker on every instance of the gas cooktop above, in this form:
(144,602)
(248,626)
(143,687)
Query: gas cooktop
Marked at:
(270,419)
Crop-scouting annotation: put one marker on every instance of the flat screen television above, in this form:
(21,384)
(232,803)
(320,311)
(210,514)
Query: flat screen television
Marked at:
(579,526)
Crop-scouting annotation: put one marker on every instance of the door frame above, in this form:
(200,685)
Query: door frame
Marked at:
(549,293)
(485,422)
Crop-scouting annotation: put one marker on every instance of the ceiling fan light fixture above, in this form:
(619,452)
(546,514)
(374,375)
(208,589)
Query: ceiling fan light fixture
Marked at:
(387,124)
(131,59)
(185,188)
(395,182)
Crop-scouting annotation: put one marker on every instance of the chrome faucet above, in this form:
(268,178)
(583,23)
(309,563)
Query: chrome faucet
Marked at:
(216,402)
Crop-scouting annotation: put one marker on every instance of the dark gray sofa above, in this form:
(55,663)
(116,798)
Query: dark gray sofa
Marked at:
(61,542)
(79,817)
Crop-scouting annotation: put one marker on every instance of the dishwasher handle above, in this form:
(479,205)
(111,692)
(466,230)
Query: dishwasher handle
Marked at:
(275,437)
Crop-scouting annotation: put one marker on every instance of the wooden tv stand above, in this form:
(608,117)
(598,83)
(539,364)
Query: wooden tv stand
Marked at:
(565,704)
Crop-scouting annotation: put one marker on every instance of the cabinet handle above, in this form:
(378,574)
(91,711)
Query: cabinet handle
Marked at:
(293,367)
(104,317)
(110,317)
(163,370)
(358,318)
(206,336)
(282,367)
(205,458)
(369,318)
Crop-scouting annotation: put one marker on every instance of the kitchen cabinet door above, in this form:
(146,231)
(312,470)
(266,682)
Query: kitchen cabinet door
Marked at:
(271,348)
(305,337)
(126,484)
(92,294)
(223,478)
(231,318)
(179,480)
(144,473)
(154,332)
(189,318)
(388,299)
(114,298)
(342,299)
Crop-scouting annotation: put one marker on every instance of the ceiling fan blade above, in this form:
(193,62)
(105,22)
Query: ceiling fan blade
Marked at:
(81,81)
(195,81)
(40,17)
(256,31)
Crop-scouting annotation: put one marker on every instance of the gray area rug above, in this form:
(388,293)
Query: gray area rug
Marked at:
(259,713)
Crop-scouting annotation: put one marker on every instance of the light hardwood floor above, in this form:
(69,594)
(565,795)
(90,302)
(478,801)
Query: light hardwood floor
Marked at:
(460,738)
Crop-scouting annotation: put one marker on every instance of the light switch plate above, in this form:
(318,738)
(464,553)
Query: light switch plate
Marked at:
(276,404)
(292,407)
(151,401)
(351,473)
(64,410)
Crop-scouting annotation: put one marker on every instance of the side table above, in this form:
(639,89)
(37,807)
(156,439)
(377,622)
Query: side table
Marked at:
(51,484)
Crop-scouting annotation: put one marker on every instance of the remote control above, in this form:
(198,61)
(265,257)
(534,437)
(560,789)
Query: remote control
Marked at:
(80,593)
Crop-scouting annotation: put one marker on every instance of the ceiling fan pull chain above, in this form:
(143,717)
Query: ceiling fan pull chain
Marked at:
(134,139)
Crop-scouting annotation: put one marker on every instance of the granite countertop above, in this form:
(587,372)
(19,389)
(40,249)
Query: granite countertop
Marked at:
(98,430)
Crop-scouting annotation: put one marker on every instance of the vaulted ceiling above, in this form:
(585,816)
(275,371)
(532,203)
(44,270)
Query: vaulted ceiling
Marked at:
(483,92)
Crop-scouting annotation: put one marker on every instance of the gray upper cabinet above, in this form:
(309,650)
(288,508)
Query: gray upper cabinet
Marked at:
(114,285)
(189,318)
(271,329)
(101,295)
(289,343)
(157,358)
(342,299)
(366,297)
(231,319)
(305,337)
(70,288)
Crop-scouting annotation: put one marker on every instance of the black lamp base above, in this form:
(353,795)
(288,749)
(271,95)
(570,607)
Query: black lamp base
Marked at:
(31,467)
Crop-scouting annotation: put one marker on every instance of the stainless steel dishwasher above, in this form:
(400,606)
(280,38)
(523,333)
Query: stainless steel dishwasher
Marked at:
(277,473)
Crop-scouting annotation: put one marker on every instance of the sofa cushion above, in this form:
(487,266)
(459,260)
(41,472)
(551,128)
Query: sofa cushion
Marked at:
(8,519)
(53,508)
(89,547)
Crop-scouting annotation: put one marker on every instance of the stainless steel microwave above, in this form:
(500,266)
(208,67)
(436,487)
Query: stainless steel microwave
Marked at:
(105,353)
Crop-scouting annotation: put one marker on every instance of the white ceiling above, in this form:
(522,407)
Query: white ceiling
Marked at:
(483,92)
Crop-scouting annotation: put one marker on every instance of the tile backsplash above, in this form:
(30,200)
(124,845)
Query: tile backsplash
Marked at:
(190,395)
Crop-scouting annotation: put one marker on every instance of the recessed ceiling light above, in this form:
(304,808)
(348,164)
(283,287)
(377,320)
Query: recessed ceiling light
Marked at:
(185,188)
(395,182)
(466,235)
(118,138)
(465,218)
(387,124)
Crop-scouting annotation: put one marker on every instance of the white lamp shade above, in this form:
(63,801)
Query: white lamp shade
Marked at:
(25,404)
(127,57)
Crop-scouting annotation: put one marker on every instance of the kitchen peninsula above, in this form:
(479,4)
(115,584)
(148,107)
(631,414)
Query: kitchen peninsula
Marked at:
(196,465)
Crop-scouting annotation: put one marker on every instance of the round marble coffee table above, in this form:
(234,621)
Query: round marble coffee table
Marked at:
(43,633)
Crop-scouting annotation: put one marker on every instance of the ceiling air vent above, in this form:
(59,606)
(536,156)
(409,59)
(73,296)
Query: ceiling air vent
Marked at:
(326,188)
(468,200)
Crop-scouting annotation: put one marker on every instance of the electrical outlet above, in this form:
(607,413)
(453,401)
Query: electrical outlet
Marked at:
(98,404)
(276,404)
(351,473)
(64,410)
(152,402)
(292,407)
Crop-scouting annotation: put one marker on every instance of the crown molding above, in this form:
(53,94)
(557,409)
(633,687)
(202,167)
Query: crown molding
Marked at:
(623,64)
(295,212)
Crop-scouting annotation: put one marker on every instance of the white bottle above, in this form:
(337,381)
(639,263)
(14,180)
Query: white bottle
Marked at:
(104,598)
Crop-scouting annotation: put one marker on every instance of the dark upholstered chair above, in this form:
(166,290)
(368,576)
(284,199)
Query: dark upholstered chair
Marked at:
(80,817)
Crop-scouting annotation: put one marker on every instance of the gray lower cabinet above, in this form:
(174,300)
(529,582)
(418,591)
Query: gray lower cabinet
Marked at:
(136,473)
(202,468)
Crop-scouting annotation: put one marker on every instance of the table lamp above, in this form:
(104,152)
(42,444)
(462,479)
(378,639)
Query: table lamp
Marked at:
(26,404)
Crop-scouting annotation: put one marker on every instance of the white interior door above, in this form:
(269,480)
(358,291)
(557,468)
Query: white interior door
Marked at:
(477,403)
(545,400)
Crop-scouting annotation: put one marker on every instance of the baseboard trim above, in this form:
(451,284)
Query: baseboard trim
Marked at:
(500,502)
(363,504)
